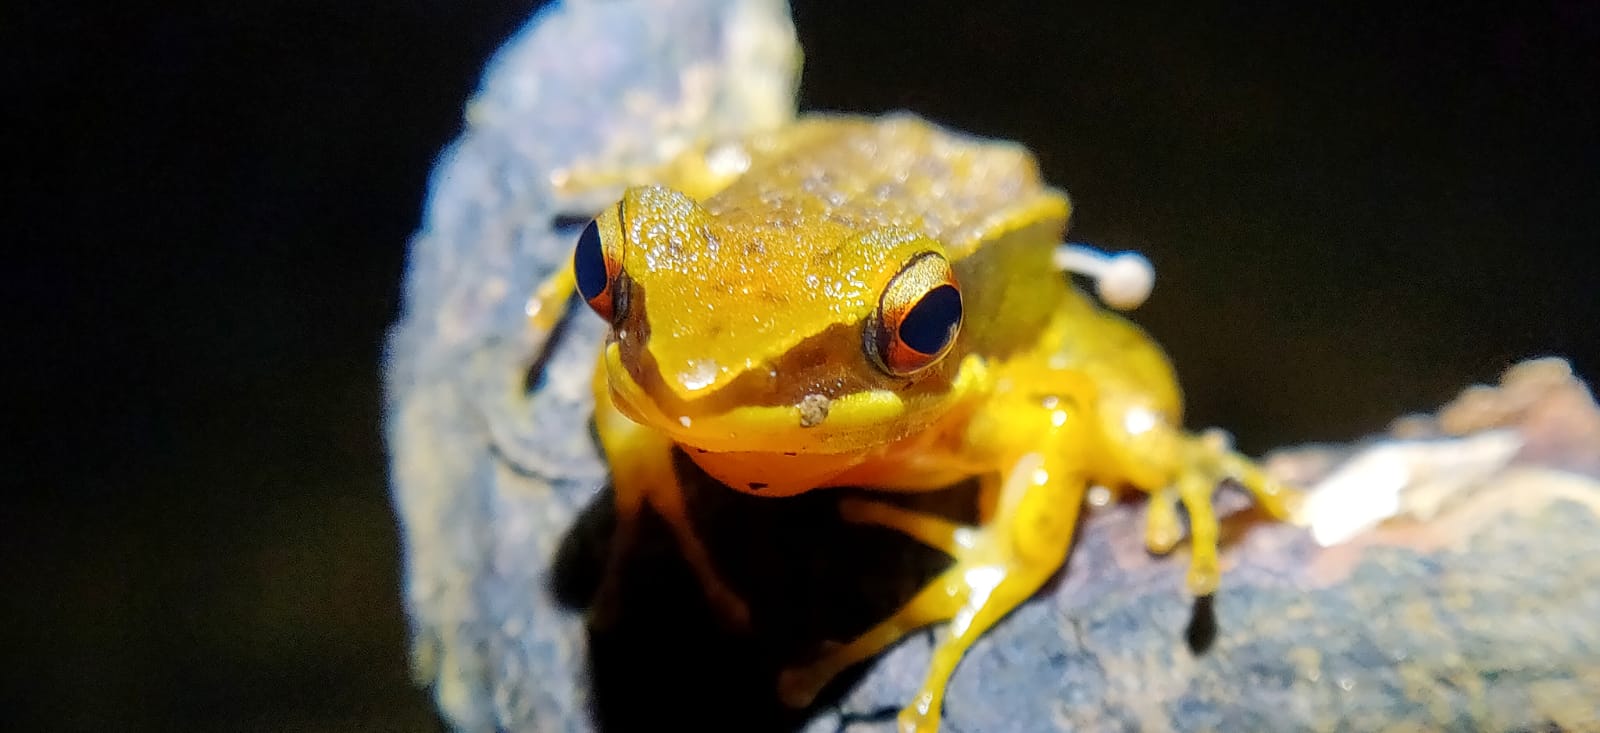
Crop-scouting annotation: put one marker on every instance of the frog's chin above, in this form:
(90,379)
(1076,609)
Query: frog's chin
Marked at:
(816,425)
(776,474)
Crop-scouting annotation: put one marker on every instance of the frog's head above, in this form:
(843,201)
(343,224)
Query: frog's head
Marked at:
(791,334)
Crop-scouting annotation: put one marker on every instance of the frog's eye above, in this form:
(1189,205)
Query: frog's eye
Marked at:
(596,271)
(917,317)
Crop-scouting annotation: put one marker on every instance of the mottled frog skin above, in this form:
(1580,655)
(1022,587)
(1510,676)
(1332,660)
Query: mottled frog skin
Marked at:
(876,302)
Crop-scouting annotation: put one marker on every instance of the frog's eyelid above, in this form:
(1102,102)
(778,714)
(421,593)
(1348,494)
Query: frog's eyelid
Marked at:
(1123,280)
(917,319)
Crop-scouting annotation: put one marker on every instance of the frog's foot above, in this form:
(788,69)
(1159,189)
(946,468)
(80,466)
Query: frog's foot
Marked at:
(549,302)
(1205,461)
(996,569)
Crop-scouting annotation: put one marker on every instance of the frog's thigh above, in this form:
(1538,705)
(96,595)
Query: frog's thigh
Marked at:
(934,531)
(642,472)
(1162,529)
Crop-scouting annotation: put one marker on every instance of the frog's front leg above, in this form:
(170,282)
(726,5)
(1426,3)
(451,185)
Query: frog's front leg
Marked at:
(997,568)
(1173,465)
(549,302)
(642,473)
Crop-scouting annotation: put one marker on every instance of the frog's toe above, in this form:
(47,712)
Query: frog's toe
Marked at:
(1162,529)
(1203,577)
(1279,500)
(1195,490)
(1209,461)
(1204,572)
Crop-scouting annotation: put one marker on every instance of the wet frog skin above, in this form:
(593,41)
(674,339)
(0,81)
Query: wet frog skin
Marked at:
(879,302)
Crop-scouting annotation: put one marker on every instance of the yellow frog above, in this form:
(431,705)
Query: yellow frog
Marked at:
(878,302)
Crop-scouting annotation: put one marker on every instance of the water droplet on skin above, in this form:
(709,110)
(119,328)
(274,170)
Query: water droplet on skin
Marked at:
(728,159)
(700,375)
(1138,421)
(685,421)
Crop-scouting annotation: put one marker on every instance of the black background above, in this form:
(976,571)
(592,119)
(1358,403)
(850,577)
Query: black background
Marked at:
(1353,213)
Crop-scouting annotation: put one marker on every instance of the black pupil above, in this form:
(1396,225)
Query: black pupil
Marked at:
(929,325)
(589,262)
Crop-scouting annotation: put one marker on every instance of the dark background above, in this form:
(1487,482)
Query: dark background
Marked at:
(1353,212)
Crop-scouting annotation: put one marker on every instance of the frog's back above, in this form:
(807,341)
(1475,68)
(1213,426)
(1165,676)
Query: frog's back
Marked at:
(896,171)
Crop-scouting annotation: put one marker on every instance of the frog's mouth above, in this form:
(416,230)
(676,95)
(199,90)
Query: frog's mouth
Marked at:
(835,414)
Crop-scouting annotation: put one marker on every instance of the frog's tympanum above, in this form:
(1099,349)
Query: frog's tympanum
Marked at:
(878,302)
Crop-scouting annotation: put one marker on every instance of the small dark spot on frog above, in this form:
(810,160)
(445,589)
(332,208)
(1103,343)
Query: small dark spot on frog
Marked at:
(712,243)
(790,453)
(701,450)
(756,485)
(824,254)
(841,219)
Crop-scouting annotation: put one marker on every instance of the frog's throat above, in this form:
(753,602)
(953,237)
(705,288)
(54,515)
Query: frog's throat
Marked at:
(851,423)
